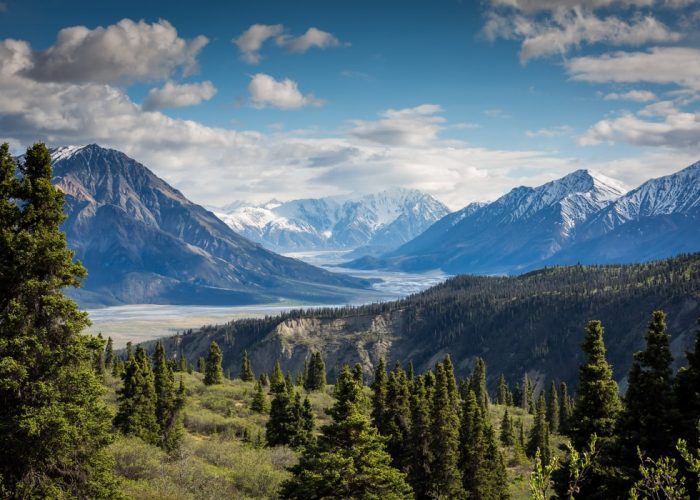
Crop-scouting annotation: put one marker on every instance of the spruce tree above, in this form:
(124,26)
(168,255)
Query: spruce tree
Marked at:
(526,394)
(566,408)
(54,424)
(379,390)
(507,432)
(315,379)
(419,441)
(260,403)
(647,419)
(446,480)
(553,408)
(503,391)
(277,382)
(539,434)
(281,427)
(213,372)
(168,401)
(358,373)
(201,365)
(452,383)
(136,415)
(478,383)
(598,404)
(109,354)
(247,374)
(350,460)
(398,417)
(688,394)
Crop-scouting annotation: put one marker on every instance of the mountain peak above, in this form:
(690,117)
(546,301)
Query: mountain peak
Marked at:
(585,181)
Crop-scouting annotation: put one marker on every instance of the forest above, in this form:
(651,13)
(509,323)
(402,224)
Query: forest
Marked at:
(81,420)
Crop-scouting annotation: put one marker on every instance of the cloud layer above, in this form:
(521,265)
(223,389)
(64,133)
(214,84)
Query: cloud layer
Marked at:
(265,91)
(251,41)
(173,95)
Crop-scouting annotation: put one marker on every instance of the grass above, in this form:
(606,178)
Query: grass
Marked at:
(222,454)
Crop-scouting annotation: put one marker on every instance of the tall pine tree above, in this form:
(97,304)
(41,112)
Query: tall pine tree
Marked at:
(53,423)
(213,372)
(553,408)
(350,460)
(247,374)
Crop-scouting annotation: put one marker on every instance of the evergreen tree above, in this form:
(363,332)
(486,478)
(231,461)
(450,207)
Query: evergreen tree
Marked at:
(478,383)
(419,441)
(503,391)
(213,372)
(452,383)
(379,390)
(136,414)
(168,401)
(201,365)
(264,381)
(53,423)
(109,354)
(398,417)
(688,394)
(553,408)
(277,382)
(597,400)
(304,423)
(315,379)
(646,422)
(539,434)
(247,374)
(181,363)
(507,430)
(358,373)
(260,403)
(566,408)
(99,354)
(446,480)
(281,427)
(526,394)
(350,460)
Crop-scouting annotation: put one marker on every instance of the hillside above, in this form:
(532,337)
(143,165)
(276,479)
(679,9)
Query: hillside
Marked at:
(145,242)
(533,322)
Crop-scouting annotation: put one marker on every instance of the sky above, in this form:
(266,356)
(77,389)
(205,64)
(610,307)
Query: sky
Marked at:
(277,99)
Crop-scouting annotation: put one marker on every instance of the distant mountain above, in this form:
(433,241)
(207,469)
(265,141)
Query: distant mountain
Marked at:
(521,229)
(369,224)
(142,241)
(658,219)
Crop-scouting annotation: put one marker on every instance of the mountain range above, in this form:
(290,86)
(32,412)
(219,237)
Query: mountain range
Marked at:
(584,217)
(142,241)
(368,224)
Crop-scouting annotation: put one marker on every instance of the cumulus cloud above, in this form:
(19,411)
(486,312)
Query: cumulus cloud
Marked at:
(549,5)
(124,52)
(265,91)
(251,41)
(312,38)
(664,65)
(632,95)
(565,29)
(173,95)
(404,127)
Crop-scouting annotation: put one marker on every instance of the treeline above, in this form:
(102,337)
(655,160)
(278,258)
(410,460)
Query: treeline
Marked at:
(517,324)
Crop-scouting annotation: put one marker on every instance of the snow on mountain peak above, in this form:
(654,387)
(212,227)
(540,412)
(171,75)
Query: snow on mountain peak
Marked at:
(64,152)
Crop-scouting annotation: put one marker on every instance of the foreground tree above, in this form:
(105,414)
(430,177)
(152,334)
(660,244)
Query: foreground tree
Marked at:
(350,460)
(213,372)
(688,395)
(53,423)
(315,379)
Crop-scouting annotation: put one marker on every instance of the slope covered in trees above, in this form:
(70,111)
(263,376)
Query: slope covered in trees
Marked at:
(530,323)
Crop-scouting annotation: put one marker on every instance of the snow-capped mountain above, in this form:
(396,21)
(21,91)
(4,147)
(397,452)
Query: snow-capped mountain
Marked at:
(142,241)
(523,227)
(373,222)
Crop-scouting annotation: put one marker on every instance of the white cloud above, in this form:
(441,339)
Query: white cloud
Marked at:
(664,65)
(251,40)
(123,52)
(632,95)
(405,127)
(565,29)
(549,5)
(265,91)
(675,129)
(173,95)
(313,37)
(550,132)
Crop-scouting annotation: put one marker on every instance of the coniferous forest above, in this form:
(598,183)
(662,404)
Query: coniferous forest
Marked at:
(79,419)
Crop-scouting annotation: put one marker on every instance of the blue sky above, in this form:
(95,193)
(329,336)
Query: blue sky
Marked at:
(254,100)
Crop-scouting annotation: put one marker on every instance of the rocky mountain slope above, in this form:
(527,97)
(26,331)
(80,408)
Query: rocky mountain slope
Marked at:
(532,322)
(142,241)
(374,223)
